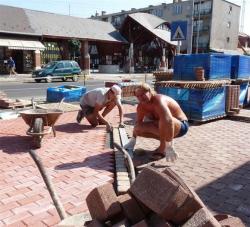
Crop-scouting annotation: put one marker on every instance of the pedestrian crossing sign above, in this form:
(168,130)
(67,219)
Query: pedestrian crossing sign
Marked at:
(178,30)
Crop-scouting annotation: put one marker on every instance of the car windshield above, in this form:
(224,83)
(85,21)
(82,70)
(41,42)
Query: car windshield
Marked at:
(50,65)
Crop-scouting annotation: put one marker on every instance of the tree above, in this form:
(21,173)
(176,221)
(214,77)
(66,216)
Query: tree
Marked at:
(74,47)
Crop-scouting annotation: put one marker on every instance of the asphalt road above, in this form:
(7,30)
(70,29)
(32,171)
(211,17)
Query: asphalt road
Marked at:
(27,90)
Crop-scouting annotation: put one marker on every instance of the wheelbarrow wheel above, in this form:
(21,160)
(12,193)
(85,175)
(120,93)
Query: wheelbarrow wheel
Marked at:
(38,128)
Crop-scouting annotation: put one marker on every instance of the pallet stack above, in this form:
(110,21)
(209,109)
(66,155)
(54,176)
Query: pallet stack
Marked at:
(240,75)
(163,76)
(128,88)
(232,99)
(210,80)
(7,103)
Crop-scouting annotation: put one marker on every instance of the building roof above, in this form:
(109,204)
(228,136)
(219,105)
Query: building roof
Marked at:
(151,23)
(31,22)
(242,34)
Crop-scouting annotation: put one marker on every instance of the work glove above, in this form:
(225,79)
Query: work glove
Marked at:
(171,154)
(131,144)
(121,125)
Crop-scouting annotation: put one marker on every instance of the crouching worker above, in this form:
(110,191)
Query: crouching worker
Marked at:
(99,99)
(159,117)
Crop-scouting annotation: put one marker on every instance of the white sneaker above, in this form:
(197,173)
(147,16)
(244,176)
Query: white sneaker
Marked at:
(131,144)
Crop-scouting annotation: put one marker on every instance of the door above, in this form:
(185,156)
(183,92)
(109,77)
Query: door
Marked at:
(59,69)
(68,68)
(17,56)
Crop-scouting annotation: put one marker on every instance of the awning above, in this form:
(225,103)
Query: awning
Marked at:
(19,44)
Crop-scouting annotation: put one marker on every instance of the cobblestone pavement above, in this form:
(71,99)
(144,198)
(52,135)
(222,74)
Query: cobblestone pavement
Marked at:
(215,161)
(76,160)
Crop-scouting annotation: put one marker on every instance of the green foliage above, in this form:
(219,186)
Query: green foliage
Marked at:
(74,46)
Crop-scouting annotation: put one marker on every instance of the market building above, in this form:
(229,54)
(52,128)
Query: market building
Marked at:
(33,38)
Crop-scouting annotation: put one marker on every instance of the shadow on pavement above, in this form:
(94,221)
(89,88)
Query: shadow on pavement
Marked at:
(104,161)
(73,128)
(230,193)
(131,117)
(15,144)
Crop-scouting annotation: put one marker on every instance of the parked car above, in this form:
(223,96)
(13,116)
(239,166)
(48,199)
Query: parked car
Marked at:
(58,70)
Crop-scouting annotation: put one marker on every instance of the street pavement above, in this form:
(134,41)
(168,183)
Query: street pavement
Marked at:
(93,75)
(214,160)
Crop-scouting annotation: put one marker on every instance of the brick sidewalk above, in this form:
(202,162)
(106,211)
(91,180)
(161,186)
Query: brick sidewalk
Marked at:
(76,160)
(214,159)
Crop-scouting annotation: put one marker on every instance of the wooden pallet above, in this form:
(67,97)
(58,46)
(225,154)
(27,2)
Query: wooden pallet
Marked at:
(199,121)
(193,84)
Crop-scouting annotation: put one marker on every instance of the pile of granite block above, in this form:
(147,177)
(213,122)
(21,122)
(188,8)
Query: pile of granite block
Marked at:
(155,199)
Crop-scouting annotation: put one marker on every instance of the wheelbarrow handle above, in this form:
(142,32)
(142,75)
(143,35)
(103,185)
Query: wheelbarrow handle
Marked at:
(50,187)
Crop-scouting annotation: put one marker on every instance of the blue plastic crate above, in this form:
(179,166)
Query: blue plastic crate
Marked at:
(247,98)
(198,104)
(69,93)
(243,92)
(240,67)
(216,66)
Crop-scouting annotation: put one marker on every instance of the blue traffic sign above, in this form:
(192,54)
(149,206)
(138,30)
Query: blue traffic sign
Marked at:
(178,30)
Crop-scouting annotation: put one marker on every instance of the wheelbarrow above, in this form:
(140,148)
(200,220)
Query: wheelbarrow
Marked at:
(41,122)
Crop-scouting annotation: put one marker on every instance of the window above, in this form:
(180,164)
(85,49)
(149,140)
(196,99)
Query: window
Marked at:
(116,21)
(158,12)
(177,9)
(230,9)
(59,66)
(1,53)
(67,65)
(228,39)
(108,59)
(229,24)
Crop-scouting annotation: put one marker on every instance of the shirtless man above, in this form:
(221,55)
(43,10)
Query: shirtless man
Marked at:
(159,117)
(99,99)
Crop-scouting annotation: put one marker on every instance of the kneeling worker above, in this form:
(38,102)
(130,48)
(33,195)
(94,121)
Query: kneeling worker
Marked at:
(159,117)
(98,99)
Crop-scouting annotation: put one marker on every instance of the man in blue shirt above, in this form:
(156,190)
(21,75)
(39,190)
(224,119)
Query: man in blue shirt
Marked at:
(11,66)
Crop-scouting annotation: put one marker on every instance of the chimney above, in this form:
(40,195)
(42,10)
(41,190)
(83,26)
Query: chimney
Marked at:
(103,13)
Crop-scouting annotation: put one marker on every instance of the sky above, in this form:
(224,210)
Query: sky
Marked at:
(86,8)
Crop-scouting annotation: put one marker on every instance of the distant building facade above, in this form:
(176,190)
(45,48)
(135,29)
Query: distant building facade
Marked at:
(34,38)
(212,24)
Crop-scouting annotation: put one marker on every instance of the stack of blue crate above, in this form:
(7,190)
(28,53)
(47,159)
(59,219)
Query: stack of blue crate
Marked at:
(70,93)
(240,73)
(216,66)
(200,104)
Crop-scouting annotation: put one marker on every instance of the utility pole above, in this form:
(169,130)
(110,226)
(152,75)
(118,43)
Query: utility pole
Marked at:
(242,19)
(191,29)
(198,29)
(68,3)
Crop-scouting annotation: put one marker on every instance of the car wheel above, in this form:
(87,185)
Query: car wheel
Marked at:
(38,80)
(75,78)
(49,79)
(64,79)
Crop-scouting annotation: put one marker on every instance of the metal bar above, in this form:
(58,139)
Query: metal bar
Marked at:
(50,186)
(130,162)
